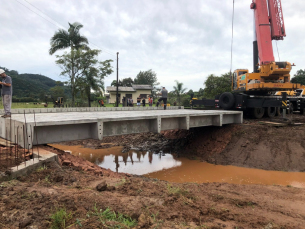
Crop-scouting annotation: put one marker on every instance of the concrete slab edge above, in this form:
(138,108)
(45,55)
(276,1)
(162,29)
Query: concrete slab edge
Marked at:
(28,167)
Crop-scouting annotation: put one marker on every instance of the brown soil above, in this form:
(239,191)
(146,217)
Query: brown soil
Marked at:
(12,156)
(29,202)
(80,187)
(253,144)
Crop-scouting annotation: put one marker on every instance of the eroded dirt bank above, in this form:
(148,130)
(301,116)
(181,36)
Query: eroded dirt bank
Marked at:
(34,201)
(253,144)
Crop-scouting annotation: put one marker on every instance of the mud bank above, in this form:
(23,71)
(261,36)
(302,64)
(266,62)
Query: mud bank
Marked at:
(35,200)
(252,144)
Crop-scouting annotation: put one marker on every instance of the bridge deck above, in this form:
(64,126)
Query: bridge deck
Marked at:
(57,127)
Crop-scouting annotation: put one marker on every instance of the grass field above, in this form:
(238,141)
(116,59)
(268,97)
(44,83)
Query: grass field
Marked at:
(50,105)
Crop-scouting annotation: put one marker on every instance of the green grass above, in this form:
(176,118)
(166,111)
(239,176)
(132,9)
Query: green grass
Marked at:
(26,105)
(176,190)
(109,217)
(60,218)
(41,168)
(32,105)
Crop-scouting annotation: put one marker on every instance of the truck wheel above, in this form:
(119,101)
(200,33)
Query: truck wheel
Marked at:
(270,112)
(226,100)
(258,112)
(279,111)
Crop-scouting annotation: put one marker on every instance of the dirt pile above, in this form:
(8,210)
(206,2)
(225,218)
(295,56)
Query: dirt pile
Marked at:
(253,144)
(166,141)
(41,199)
(80,164)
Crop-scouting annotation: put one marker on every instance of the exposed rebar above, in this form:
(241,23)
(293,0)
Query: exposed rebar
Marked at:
(32,143)
(24,145)
(35,132)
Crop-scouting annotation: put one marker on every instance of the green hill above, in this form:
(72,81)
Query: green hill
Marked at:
(32,87)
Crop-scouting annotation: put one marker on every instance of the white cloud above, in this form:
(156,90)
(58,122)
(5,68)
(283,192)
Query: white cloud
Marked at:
(178,39)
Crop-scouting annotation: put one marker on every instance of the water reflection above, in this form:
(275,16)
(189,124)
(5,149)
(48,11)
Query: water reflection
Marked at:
(167,167)
(137,162)
(134,162)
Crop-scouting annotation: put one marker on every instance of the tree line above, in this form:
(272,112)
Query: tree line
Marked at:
(215,85)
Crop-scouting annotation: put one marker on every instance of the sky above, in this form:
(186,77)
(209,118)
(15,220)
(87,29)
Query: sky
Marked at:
(184,40)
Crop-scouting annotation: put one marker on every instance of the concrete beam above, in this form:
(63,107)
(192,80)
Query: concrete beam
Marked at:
(68,126)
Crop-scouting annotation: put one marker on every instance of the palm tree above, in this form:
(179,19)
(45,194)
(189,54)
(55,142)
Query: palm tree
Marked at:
(63,39)
(72,39)
(178,90)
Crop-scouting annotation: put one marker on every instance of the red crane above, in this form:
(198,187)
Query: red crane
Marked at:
(269,25)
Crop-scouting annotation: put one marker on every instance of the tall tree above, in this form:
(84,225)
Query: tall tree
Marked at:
(178,90)
(113,83)
(58,90)
(147,77)
(127,82)
(200,93)
(191,93)
(72,39)
(215,85)
(93,75)
(299,77)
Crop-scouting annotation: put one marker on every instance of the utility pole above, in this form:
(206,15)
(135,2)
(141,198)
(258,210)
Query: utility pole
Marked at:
(117,79)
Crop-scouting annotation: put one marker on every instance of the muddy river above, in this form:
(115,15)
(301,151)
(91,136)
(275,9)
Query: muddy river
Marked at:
(167,167)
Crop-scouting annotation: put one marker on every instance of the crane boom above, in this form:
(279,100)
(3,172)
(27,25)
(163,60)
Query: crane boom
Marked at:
(263,31)
(269,25)
(271,75)
(276,20)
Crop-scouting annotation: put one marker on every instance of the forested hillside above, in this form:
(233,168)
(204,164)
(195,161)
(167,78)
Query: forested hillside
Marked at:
(33,87)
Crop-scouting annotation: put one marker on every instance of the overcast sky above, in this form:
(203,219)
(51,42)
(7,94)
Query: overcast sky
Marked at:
(184,40)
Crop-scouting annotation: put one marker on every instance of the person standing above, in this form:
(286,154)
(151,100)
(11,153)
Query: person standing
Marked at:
(163,97)
(143,102)
(150,101)
(131,102)
(6,93)
(139,101)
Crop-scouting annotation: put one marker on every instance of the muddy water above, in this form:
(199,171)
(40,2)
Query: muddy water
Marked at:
(167,167)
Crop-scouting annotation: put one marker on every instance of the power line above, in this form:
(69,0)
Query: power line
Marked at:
(103,50)
(45,14)
(37,13)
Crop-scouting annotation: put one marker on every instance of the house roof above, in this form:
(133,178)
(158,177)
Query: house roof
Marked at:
(110,88)
(131,89)
(142,86)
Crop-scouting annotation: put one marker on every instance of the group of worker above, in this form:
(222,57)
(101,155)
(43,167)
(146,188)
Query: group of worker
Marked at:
(150,99)
(129,101)
(143,100)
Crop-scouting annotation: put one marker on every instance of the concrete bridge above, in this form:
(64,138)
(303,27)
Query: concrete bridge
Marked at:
(66,125)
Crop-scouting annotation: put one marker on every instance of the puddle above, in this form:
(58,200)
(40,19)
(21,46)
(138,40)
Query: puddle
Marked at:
(167,167)
(133,162)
